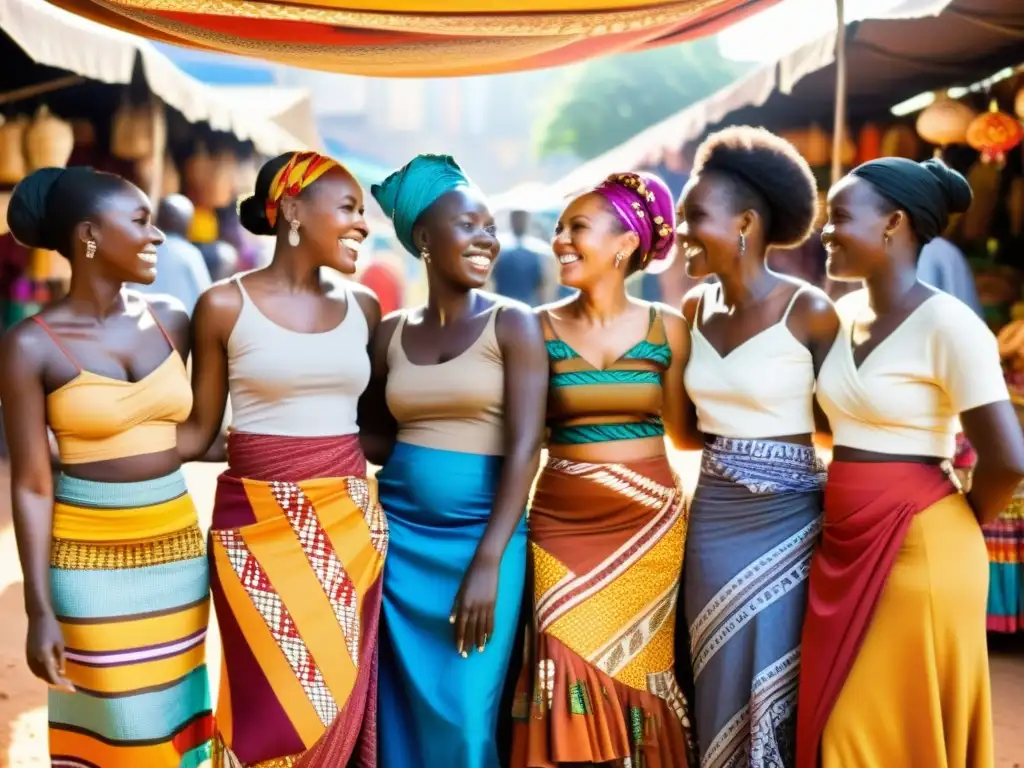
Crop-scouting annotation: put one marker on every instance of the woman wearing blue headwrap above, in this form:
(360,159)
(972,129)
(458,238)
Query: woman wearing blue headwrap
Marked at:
(460,388)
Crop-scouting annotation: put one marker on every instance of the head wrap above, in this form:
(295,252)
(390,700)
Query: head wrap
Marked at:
(298,173)
(644,204)
(929,192)
(413,188)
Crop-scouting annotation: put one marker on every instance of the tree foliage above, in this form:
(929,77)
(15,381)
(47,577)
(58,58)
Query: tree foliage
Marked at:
(601,103)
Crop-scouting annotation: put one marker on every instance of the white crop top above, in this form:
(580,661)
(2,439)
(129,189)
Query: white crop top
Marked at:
(763,388)
(295,384)
(907,396)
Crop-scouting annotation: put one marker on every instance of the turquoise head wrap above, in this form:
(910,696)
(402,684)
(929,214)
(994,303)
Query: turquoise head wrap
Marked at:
(413,188)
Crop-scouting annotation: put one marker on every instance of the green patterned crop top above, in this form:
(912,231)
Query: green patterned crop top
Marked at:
(620,402)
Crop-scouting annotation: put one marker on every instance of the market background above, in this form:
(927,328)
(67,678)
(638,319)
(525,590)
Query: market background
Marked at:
(909,77)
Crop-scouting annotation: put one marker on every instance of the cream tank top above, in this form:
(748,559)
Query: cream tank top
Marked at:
(763,388)
(457,405)
(293,384)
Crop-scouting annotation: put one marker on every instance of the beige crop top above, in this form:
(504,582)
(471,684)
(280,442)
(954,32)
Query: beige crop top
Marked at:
(763,388)
(295,384)
(907,396)
(457,405)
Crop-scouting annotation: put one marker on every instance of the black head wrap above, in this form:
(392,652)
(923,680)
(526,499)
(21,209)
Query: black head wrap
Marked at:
(929,192)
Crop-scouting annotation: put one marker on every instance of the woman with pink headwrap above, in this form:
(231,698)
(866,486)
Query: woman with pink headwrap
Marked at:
(608,519)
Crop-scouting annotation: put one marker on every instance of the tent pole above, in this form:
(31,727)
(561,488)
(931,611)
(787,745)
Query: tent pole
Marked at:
(31,91)
(839,118)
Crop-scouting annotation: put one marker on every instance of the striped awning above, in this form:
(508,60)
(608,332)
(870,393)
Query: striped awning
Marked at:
(419,38)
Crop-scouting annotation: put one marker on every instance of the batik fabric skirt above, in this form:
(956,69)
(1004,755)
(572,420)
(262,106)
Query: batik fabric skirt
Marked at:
(130,588)
(754,521)
(297,547)
(437,708)
(598,685)
(895,669)
(1004,538)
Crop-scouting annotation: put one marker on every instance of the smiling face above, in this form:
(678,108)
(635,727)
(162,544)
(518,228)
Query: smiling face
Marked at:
(331,219)
(459,235)
(708,235)
(588,237)
(855,235)
(125,236)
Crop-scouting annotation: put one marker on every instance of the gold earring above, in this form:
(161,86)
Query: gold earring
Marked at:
(885,238)
(90,249)
(618,258)
(425,255)
(293,233)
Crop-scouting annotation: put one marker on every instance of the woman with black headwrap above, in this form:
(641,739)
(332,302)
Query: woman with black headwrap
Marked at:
(895,666)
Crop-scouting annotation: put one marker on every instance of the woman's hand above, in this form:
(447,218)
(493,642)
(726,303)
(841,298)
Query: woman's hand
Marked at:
(473,611)
(44,649)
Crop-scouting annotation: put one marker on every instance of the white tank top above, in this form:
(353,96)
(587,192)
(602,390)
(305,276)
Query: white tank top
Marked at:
(297,384)
(763,388)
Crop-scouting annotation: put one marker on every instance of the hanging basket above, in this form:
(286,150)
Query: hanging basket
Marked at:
(49,141)
(945,121)
(5,200)
(131,132)
(900,141)
(12,150)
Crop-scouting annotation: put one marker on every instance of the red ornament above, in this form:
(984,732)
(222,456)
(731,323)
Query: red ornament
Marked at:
(993,134)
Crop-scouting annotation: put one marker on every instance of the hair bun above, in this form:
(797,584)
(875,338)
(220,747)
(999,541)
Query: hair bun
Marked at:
(955,187)
(252,213)
(26,212)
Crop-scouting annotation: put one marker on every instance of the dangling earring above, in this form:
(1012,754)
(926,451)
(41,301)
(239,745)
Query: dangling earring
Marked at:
(885,239)
(743,243)
(618,259)
(425,255)
(293,233)
(90,249)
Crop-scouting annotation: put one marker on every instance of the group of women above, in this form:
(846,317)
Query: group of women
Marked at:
(371,620)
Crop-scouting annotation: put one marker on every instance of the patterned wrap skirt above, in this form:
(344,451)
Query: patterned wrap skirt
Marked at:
(598,685)
(297,548)
(130,586)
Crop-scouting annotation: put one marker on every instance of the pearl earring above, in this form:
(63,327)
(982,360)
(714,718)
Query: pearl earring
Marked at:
(293,233)
(90,249)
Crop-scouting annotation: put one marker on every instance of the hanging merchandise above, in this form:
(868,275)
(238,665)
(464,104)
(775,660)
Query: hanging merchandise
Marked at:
(1015,206)
(49,141)
(85,133)
(12,149)
(994,134)
(818,147)
(1018,103)
(900,141)
(944,121)
(198,173)
(984,180)
(170,181)
(131,132)
(5,200)
(869,143)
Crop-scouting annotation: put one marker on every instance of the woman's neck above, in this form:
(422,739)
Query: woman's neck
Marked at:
(889,291)
(605,302)
(749,284)
(295,269)
(96,297)
(447,302)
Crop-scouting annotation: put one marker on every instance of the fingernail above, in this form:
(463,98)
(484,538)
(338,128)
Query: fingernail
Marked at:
(465,655)
(480,648)
(451,619)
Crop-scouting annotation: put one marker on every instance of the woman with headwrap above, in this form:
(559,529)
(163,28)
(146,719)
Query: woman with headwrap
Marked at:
(608,518)
(116,577)
(459,388)
(895,665)
(759,338)
(298,539)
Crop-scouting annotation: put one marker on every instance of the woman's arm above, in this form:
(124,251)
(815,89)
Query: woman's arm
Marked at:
(815,322)
(214,318)
(377,427)
(677,411)
(995,433)
(525,361)
(24,414)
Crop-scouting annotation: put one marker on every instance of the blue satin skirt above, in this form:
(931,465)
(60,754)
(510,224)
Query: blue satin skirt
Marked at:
(437,708)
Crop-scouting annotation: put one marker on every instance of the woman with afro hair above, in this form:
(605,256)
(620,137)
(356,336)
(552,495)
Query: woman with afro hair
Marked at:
(759,338)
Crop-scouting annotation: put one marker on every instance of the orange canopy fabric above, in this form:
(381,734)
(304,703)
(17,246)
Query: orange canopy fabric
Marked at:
(418,38)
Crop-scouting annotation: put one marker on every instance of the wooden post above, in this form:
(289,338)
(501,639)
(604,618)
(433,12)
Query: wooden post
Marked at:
(158,114)
(839,119)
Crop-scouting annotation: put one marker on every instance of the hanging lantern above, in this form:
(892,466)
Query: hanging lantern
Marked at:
(944,121)
(900,141)
(131,132)
(994,134)
(12,153)
(818,147)
(49,141)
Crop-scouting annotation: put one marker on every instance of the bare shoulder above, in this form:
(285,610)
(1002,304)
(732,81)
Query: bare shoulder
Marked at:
(517,322)
(814,313)
(677,330)
(219,307)
(691,299)
(168,310)
(24,347)
(367,301)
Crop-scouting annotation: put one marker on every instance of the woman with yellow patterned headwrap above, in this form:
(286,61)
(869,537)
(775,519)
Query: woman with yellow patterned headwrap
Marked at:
(297,541)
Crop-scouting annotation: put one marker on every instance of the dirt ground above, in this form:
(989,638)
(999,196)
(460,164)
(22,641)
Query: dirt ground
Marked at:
(23,699)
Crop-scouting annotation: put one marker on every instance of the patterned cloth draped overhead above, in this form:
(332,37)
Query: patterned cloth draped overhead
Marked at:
(419,38)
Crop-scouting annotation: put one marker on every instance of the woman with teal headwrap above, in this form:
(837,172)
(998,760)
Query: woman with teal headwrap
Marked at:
(456,420)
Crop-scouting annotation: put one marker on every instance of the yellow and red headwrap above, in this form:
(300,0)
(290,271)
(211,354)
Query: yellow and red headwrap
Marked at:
(298,173)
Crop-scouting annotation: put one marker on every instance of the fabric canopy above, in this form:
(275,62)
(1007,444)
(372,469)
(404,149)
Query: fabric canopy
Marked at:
(59,40)
(419,38)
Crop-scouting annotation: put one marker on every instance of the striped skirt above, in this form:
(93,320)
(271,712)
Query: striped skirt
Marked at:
(606,545)
(130,587)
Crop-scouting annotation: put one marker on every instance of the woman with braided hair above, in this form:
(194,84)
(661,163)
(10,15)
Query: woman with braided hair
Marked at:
(608,519)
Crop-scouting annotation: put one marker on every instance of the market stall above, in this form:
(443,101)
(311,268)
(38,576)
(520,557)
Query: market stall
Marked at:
(73,92)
